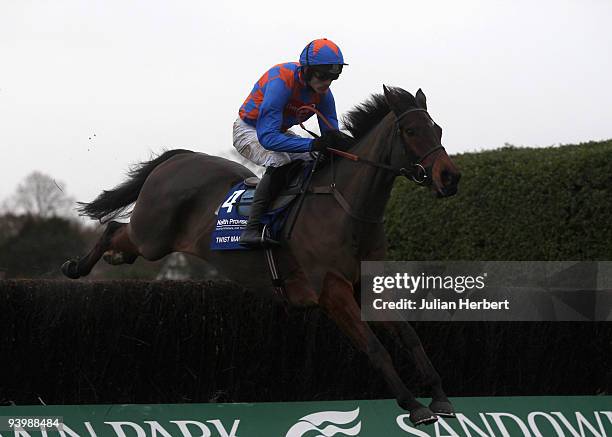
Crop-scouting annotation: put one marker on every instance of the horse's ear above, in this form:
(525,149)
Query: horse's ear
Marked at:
(421,100)
(393,99)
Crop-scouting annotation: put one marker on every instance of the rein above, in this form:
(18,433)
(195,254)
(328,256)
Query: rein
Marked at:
(306,108)
(418,173)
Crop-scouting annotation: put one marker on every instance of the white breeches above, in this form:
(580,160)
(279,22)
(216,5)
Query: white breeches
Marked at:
(247,144)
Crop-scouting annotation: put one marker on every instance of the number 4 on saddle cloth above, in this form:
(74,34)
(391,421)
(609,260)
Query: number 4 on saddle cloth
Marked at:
(233,213)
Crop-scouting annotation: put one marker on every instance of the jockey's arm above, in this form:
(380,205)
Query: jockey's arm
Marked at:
(327,107)
(270,120)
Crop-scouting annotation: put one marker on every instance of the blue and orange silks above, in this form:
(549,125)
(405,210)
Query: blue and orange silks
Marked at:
(272,106)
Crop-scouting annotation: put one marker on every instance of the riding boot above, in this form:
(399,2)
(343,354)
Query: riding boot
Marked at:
(252,236)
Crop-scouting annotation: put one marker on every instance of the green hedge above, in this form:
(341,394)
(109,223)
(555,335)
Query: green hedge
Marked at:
(519,204)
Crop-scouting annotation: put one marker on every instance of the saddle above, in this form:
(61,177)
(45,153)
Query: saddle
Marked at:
(294,180)
(233,213)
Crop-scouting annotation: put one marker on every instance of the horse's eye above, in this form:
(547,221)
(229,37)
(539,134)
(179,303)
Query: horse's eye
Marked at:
(409,132)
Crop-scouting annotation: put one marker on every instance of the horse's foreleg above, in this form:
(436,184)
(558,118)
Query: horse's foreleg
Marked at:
(338,301)
(114,238)
(410,340)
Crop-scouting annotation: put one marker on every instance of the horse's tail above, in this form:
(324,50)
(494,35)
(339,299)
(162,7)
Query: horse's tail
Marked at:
(114,203)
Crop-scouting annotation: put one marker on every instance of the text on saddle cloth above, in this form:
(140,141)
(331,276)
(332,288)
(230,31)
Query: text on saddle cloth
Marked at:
(233,213)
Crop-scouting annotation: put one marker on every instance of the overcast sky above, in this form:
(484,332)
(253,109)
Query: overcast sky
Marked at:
(139,76)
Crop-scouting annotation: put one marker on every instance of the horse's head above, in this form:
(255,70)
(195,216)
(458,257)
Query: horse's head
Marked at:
(421,153)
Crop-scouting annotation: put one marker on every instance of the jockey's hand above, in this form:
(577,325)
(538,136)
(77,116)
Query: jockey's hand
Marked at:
(340,140)
(334,139)
(319,144)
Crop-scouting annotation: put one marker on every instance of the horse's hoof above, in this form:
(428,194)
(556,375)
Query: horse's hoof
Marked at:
(71,269)
(442,409)
(422,416)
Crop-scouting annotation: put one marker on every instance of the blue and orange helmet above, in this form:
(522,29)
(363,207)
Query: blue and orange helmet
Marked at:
(322,57)
(321,52)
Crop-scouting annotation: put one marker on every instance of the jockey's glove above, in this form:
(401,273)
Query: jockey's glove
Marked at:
(334,139)
(320,144)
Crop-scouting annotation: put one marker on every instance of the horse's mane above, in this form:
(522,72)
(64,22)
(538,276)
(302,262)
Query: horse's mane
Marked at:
(362,118)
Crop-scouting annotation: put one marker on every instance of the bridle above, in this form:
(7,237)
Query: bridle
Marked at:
(417,167)
(417,172)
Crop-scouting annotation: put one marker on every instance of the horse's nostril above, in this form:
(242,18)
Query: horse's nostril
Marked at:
(447,178)
(450,178)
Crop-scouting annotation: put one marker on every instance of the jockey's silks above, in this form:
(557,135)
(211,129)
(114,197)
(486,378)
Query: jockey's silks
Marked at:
(272,106)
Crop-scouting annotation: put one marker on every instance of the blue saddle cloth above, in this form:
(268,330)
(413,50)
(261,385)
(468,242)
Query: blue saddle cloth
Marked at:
(233,216)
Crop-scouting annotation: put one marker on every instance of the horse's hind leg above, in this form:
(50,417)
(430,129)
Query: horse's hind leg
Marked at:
(337,300)
(113,239)
(121,249)
(403,331)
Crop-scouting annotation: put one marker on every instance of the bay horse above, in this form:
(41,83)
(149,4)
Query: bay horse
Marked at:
(177,193)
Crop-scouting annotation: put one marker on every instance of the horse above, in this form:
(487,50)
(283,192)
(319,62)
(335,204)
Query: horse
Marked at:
(340,224)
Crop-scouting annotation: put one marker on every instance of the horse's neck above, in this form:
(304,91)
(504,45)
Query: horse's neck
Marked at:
(367,188)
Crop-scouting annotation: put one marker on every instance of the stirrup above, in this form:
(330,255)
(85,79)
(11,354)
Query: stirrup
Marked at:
(265,240)
(262,241)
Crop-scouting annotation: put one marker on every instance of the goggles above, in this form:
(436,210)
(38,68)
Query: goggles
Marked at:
(326,72)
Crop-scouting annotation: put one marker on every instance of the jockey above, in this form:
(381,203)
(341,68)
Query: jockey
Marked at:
(261,131)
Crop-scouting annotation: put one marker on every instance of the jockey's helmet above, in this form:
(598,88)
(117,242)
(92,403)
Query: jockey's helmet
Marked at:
(321,52)
(323,58)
